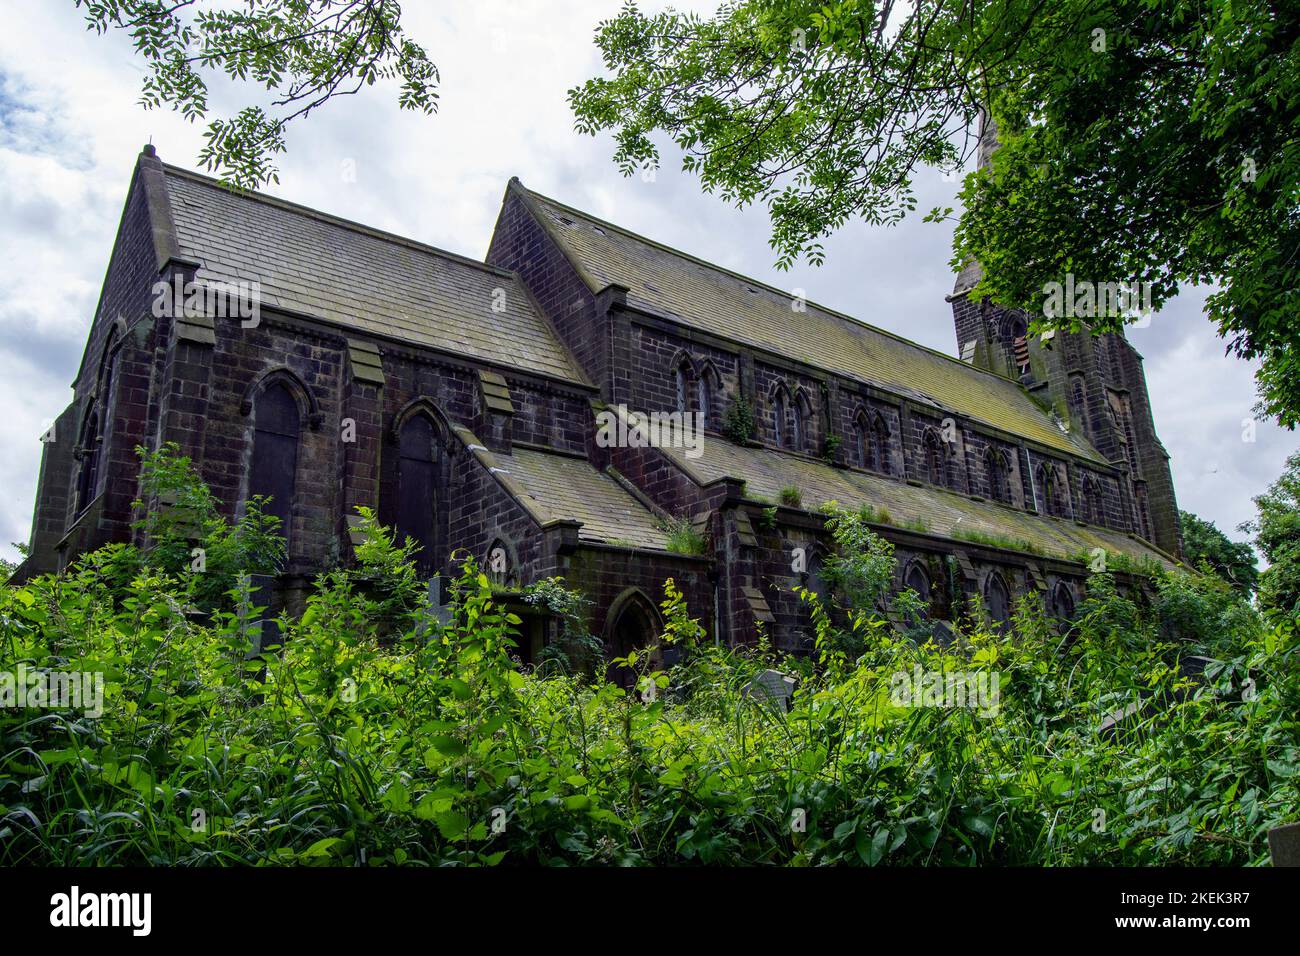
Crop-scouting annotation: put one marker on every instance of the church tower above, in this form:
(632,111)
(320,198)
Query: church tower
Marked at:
(1094,383)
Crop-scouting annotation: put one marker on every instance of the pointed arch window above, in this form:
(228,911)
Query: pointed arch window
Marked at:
(89,447)
(995,470)
(681,380)
(878,445)
(997,599)
(97,424)
(500,565)
(861,451)
(1062,602)
(273,473)
(703,400)
(799,433)
(778,419)
(417,504)
(1017,329)
(1089,501)
(632,624)
(935,466)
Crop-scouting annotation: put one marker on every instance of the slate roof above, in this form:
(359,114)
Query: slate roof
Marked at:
(765,472)
(704,296)
(573,488)
(360,278)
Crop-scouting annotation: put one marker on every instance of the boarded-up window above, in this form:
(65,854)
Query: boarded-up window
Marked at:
(275,452)
(1049,491)
(416,496)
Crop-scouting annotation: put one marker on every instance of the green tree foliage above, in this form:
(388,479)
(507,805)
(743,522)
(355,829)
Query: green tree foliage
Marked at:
(1277,533)
(1141,140)
(302,52)
(1206,547)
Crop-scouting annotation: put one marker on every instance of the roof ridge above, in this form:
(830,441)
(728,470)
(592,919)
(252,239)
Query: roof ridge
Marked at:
(844,317)
(333,220)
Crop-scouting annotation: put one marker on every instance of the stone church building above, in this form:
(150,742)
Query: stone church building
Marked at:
(461,399)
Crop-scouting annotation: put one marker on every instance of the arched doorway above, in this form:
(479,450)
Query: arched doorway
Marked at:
(632,624)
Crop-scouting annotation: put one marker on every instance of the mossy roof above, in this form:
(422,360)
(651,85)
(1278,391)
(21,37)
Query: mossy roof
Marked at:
(678,286)
(573,489)
(946,513)
(315,264)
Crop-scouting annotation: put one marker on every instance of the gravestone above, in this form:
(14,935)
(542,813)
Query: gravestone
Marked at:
(437,612)
(771,687)
(260,628)
(1284,845)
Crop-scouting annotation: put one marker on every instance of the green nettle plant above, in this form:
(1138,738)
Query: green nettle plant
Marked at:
(376,735)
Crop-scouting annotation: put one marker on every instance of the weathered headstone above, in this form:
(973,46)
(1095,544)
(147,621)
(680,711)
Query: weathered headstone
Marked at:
(437,613)
(1284,845)
(260,628)
(1114,718)
(771,687)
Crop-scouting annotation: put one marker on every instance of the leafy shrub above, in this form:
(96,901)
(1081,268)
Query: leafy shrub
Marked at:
(738,422)
(576,650)
(188,537)
(830,448)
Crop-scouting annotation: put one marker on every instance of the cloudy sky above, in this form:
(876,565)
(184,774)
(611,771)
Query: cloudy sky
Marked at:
(70,130)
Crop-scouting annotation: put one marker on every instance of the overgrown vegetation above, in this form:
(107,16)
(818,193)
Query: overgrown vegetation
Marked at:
(1277,533)
(684,537)
(416,743)
(791,496)
(575,650)
(997,541)
(830,448)
(1208,549)
(738,422)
